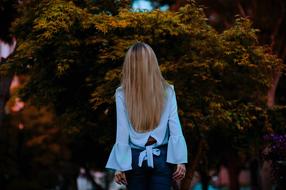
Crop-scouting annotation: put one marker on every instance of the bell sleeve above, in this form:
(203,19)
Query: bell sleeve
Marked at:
(120,156)
(177,152)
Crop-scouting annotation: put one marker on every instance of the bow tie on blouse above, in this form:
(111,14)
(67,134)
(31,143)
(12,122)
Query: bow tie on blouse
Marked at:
(147,154)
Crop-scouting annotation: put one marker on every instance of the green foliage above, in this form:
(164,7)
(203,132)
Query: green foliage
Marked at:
(74,54)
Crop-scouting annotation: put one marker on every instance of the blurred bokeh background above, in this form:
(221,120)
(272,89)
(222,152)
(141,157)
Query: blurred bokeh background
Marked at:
(60,63)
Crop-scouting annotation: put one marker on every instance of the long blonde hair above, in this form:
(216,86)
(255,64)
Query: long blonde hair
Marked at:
(144,87)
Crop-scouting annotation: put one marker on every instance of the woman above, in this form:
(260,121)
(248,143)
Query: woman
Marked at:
(150,149)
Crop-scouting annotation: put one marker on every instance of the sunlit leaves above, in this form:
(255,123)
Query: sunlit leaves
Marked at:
(75,55)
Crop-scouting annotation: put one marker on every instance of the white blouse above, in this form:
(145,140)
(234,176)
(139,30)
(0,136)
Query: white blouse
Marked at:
(168,131)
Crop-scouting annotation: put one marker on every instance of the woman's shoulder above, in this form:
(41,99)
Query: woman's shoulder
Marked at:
(119,92)
(170,88)
(119,88)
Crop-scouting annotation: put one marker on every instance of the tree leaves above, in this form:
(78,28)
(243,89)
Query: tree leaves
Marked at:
(75,54)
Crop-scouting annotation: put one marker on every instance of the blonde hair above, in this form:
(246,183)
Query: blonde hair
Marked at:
(144,87)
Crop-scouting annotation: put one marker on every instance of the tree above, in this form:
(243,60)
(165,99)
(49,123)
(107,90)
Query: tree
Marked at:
(271,32)
(267,16)
(73,53)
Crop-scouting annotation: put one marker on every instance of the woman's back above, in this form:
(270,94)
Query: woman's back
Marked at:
(139,139)
(168,131)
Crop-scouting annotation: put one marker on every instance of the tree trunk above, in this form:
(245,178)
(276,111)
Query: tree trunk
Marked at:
(186,183)
(5,82)
(204,180)
(254,169)
(274,41)
(233,172)
(265,173)
(272,90)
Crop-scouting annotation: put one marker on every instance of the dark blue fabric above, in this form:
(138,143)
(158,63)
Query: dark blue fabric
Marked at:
(147,178)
